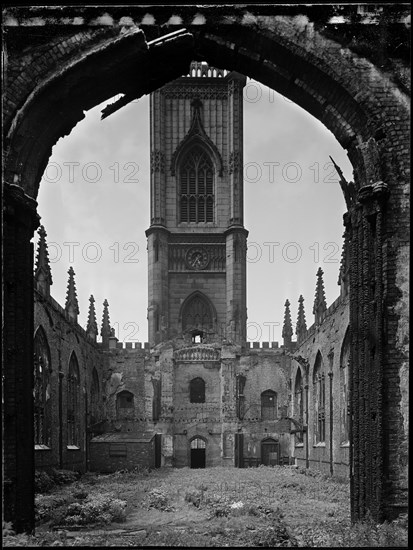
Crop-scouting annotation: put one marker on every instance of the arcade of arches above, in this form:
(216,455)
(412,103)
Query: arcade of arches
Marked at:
(351,75)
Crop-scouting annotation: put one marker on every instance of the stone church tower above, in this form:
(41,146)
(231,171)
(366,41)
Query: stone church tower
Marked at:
(197,240)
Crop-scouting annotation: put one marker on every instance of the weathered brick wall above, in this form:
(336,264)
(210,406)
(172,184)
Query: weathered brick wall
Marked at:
(125,371)
(264,370)
(121,454)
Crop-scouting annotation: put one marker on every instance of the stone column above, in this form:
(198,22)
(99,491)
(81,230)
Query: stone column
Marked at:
(369,466)
(20,222)
(158,285)
(236,284)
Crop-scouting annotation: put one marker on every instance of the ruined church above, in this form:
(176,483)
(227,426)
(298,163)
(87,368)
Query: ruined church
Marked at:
(197,394)
(336,396)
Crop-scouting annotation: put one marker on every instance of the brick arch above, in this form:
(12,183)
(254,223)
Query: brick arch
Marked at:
(360,102)
(316,74)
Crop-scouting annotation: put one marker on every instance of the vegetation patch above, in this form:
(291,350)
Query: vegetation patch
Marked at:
(97,509)
(158,499)
(213,507)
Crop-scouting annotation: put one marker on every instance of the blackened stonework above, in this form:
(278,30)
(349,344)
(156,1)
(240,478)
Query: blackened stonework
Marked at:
(20,221)
(354,78)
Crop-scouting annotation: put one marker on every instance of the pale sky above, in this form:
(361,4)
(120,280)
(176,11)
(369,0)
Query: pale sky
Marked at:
(94,205)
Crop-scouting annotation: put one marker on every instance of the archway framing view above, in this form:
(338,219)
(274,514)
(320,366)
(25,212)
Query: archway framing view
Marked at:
(66,60)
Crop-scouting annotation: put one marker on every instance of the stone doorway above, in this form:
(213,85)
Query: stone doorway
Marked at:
(270,452)
(198,447)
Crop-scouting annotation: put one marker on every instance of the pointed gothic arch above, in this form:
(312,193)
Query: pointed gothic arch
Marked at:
(197,313)
(196,137)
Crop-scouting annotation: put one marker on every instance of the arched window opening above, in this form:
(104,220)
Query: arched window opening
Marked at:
(73,403)
(269,405)
(94,397)
(41,390)
(196,187)
(125,400)
(125,405)
(197,390)
(344,389)
(319,398)
(299,404)
(198,443)
(197,314)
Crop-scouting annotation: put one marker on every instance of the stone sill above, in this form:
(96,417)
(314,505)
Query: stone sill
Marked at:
(322,444)
(346,444)
(73,448)
(300,445)
(42,448)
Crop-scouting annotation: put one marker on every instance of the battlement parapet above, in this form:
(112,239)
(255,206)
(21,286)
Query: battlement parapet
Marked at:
(266,346)
(141,346)
(202,70)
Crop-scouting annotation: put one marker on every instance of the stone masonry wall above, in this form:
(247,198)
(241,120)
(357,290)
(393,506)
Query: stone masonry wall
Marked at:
(65,337)
(327,339)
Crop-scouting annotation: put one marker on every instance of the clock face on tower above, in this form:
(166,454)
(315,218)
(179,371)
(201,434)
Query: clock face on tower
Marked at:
(197,258)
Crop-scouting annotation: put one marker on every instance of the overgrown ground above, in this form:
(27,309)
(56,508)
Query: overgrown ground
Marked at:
(265,506)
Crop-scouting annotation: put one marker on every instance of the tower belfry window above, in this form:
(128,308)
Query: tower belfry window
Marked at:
(196,178)
(197,315)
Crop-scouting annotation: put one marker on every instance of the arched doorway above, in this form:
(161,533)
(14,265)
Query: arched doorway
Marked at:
(198,452)
(270,452)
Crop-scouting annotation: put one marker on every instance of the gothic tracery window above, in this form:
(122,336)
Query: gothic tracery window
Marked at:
(196,187)
(41,390)
(269,405)
(197,314)
(73,403)
(319,397)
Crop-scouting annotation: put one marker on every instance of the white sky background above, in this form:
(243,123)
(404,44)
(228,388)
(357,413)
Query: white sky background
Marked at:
(95,195)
